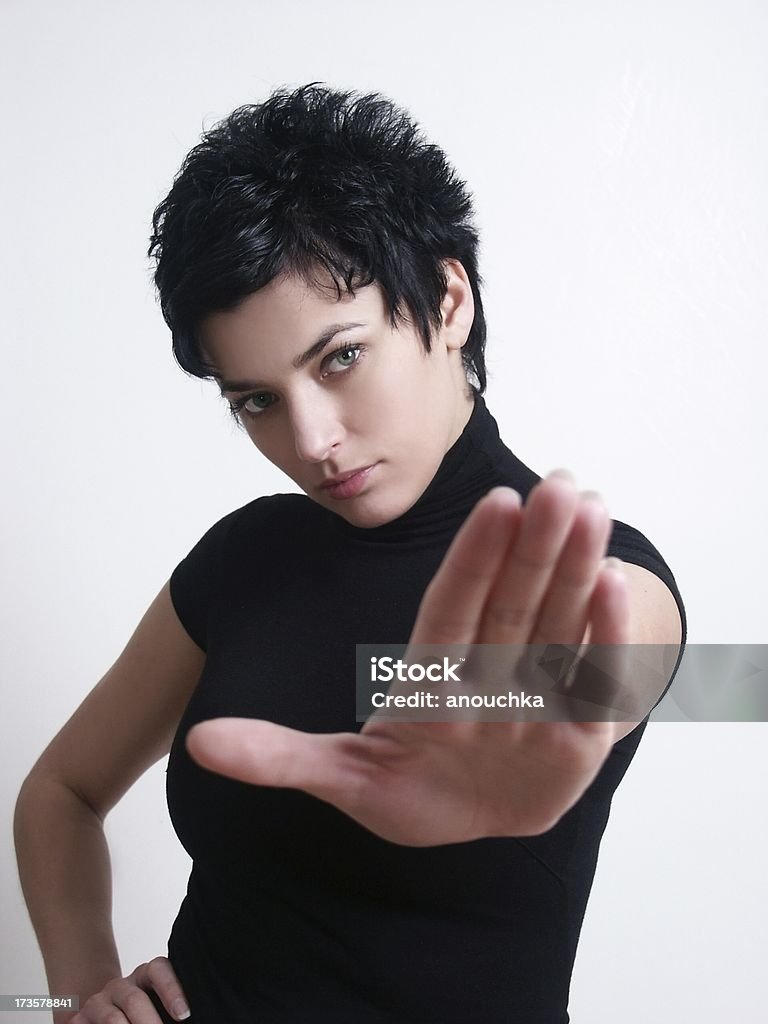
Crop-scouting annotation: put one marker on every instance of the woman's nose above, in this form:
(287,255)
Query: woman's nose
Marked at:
(316,430)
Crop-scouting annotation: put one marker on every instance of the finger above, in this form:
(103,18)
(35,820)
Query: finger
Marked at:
(266,754)
(121,1001)
(513,604)
(452,605)
(99,1007)
(601,683)
(609,611)
(565,610)
(161,977)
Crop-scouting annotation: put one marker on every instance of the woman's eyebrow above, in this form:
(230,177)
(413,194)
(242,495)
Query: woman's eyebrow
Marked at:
(314,349)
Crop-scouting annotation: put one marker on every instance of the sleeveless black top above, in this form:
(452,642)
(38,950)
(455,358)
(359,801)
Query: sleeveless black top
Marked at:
(294,912)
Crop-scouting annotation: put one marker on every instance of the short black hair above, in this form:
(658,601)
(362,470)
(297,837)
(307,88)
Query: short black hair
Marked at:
(314,179)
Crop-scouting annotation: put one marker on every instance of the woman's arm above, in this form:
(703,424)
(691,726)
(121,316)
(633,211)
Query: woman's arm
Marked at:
(65,875)
(124,726)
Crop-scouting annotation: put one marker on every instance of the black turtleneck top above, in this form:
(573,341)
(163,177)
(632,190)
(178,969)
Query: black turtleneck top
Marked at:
(294,912)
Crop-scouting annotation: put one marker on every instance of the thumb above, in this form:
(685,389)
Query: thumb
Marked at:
(267,754)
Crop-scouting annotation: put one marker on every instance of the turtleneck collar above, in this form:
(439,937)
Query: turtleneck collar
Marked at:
(467,471)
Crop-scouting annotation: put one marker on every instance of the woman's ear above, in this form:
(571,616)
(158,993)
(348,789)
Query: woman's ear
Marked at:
(457,307)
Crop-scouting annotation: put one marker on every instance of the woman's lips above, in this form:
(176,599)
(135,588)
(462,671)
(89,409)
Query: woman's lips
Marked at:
(352,485)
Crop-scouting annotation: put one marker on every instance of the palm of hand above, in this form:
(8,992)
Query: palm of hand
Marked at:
(525,575)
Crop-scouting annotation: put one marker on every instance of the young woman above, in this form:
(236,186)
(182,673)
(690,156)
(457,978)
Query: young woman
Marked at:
(316,257)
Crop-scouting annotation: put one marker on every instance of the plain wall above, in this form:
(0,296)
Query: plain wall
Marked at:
(617,154)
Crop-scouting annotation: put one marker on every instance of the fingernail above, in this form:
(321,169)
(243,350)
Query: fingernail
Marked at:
(614,563)
(180,1009)
(503,490)
(593,496)
(566,474)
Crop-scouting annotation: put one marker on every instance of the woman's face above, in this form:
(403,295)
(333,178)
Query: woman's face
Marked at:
(321,398)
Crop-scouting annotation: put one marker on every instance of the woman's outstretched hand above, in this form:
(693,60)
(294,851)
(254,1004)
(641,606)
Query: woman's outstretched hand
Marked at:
(512,575)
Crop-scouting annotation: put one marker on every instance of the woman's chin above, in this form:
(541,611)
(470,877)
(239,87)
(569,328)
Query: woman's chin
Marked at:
(367,514)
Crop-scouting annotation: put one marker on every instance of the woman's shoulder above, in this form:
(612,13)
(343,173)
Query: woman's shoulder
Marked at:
(263,510)
(264,520)
(278,509)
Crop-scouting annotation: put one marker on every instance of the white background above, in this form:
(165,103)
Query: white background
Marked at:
(617,153)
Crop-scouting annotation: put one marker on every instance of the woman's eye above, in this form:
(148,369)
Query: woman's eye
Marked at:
(345,357)
(252,403)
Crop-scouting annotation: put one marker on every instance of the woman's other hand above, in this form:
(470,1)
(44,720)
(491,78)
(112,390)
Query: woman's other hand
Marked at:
(127,1000)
